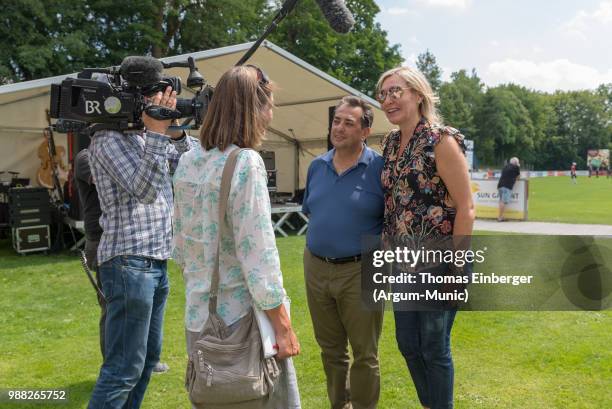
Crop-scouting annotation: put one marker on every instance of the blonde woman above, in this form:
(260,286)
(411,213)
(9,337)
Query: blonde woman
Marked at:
(427,196)
(249,266)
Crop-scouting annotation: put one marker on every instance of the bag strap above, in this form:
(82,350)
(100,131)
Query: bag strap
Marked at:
(226,182)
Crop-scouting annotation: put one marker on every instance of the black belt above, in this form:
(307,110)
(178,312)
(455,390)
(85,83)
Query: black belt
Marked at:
(339,260)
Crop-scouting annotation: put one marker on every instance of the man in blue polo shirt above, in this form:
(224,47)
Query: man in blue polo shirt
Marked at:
(344,201)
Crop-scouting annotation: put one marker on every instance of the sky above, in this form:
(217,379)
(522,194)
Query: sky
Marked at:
(541,44)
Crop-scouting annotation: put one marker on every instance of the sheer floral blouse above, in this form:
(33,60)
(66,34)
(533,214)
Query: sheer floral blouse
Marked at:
(418,205)
(249,265)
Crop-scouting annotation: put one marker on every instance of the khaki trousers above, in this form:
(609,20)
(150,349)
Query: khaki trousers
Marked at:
(338,318)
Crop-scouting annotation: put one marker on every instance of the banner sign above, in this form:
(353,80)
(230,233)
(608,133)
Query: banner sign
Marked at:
(486,199)
(528,174)
(598,159)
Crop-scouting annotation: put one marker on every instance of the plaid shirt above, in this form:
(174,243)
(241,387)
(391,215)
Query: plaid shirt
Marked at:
(133,175)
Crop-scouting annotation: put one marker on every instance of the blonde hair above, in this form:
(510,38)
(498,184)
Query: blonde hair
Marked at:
(235,114)
(417,82)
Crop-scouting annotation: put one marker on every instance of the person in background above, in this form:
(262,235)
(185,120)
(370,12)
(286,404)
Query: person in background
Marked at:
(573,173)
(249,265)
(427,198)
(510,173)
(344,201)
(90,209)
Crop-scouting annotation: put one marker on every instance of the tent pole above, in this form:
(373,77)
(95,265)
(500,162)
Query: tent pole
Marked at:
(297,161)
(330,118)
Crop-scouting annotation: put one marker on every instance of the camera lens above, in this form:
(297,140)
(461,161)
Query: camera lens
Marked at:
(184,106)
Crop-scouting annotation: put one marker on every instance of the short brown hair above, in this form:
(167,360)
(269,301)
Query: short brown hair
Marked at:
(367,118)
(235,111)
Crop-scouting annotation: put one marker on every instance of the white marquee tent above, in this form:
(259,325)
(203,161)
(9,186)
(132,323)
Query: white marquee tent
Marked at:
(297,134)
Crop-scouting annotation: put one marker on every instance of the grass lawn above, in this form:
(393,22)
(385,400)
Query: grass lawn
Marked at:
(557,199)
(49,339)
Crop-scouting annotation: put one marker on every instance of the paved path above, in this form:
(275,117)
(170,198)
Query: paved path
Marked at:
(545,228)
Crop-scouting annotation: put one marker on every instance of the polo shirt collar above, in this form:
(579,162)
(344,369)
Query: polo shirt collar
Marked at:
(366,155)
(365,158)
(329,155)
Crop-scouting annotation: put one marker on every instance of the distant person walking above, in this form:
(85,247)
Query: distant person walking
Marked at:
(573,172)
(509,175)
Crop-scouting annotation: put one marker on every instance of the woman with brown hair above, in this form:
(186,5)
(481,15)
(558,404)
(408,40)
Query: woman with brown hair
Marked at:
(427,197)
(249,267)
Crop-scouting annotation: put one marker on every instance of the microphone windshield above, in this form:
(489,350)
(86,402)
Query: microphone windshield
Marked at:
(141,71)
(338,16)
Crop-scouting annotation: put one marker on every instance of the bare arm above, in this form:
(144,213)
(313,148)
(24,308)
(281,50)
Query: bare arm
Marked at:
(286,339)
(453,170)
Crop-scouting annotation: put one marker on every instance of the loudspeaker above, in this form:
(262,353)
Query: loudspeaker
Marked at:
(27,200)
(269,159)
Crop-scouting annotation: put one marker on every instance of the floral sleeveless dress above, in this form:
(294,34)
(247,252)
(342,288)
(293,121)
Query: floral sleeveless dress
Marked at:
(418,206)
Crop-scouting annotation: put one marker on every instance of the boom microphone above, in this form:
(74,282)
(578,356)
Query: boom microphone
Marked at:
(338,16)
(141,71)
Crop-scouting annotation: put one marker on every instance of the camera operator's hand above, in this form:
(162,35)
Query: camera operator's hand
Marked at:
(168,100)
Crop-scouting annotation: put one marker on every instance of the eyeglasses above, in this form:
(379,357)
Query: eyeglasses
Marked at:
(394,93)
(261,76)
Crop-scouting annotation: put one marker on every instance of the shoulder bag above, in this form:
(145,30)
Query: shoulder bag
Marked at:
(228,366)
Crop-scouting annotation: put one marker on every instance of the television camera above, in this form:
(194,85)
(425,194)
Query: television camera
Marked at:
(115,97)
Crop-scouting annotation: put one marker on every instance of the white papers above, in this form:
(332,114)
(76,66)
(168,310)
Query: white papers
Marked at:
(268,337)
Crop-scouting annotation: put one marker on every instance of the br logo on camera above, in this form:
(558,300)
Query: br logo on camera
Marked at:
(92,106)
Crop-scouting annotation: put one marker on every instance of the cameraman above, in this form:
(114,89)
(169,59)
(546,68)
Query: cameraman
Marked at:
(132,172)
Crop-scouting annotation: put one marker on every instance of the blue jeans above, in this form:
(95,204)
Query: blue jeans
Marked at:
(136,289)
(423,338)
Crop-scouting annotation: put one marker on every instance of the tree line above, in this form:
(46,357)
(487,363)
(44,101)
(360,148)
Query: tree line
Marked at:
(41,38)
(546,131)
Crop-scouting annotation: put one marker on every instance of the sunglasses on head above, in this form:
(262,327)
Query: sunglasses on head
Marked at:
(261,76)
(393,92)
